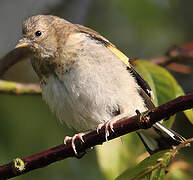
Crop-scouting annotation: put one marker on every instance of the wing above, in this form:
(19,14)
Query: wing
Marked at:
(145,91)
(142,83)
(93,34)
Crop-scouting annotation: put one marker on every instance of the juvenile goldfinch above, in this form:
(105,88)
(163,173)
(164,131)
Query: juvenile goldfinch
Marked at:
(86,81)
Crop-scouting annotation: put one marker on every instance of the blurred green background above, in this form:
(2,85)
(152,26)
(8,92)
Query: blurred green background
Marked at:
(140,28)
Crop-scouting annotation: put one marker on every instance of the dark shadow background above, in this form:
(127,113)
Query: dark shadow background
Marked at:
(141,29)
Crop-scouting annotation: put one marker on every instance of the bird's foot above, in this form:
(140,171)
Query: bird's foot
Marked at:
(144,118)
(109,125)
(72,139)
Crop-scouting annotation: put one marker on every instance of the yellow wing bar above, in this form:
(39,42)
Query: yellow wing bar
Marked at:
(119,54)
(141,82)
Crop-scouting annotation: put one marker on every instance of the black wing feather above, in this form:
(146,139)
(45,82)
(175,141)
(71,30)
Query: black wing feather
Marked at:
(141,82)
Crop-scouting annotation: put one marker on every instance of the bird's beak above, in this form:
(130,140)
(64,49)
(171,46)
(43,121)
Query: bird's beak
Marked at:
(22,44)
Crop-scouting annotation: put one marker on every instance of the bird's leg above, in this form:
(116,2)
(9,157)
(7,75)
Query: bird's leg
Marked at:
(72,139)
(109,125)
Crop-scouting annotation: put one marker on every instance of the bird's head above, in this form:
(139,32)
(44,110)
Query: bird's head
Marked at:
(44,36)
(41,34)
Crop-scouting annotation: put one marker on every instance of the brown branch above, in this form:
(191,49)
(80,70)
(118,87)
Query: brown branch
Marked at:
(180,68)
(91,139)
(176,54)
(12,58)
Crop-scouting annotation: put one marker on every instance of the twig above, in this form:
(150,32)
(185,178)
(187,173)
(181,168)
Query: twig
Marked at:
(161,163)
(176,54)
(12,58)
(180,68)
(91,139)
(8,87)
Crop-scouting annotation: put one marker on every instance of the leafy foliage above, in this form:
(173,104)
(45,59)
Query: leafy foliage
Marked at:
(163,84)
(114,157)
(153,167)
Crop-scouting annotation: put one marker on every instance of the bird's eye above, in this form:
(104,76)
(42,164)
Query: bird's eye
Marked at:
(38,33)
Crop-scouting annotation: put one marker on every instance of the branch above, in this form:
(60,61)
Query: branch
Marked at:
(8,87)
(12,58)
(176,54)
(91,139)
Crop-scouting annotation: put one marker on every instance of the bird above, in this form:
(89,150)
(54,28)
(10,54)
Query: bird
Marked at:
(87,82)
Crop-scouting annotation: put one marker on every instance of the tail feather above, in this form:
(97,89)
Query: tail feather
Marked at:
(159,138)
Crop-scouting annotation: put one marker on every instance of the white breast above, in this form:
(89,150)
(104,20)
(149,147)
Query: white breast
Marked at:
(96,85)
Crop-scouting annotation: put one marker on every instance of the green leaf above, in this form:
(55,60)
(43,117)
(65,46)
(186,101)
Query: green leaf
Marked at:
(157,174)
(163,84)
(152,168)
(116,156)
(188,113)
(147,75)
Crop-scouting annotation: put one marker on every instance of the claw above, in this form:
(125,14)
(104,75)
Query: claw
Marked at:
(106,132)
(99,127)
(144,117)
(109,125)
(67,139)
(106,124)
(72,139)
